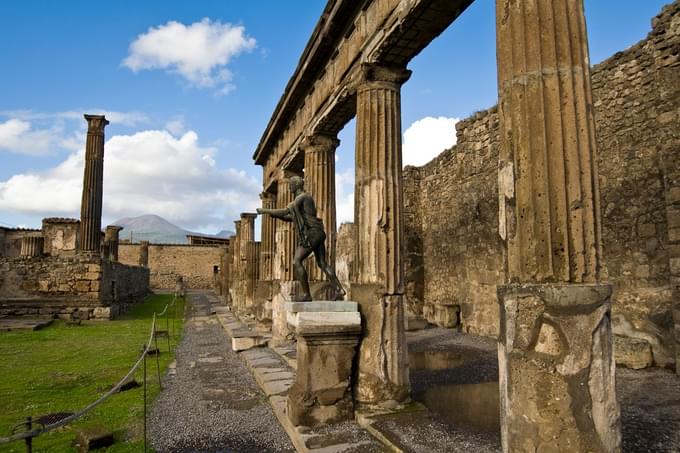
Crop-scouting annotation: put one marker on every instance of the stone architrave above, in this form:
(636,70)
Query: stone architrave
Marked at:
(111,241)
(556,364)
(319,179)
(144,253)
(379,281)
(91,205)
(327,335)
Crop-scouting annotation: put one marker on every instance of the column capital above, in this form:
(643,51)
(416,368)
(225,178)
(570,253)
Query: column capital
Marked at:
(248,216)
(319,142)
(267,196)
(95,123)
(371,72)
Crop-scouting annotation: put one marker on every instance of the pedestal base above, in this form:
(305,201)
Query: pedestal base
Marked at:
(556,369)
(328,334)
(282,293)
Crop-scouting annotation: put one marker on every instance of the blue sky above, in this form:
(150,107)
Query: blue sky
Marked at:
(186,119)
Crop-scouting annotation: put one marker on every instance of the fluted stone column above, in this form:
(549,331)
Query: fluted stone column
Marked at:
(268,238)
(378,198)
(285,288)
(555,353)
(91,205)
(285,234)
(32,246)
(320,183)
(247,235)
(144,253)
(237,269)
(111,241)
(247,238)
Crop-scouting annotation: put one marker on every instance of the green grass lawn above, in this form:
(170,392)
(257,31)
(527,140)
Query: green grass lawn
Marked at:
(63,368)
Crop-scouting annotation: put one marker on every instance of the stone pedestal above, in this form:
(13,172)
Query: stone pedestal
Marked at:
(282,293)
(556,369)
(328,335)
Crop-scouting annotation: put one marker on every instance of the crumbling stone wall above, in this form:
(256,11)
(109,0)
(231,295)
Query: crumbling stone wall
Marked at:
(194,263)
(54,285)
(457,216)
(451,203)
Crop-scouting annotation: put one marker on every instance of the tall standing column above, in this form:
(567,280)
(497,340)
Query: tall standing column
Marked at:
(111,241)
(285,234)
(378,207)
(555,353)
(268,238)
(320,183)
(285,288)
(247,272)
(91,205)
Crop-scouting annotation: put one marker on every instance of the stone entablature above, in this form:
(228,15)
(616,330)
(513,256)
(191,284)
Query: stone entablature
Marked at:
(320,96)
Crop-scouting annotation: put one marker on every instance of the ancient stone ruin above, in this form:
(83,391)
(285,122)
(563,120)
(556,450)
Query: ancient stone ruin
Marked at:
(560,209)
(70,268)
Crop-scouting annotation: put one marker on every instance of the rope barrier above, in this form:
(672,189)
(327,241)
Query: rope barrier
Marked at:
(142,359)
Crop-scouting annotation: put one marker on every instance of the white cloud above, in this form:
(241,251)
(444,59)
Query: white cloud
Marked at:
(199,52)
(426,138)
(19,136)
(344,196)
(175,126)
(147,172)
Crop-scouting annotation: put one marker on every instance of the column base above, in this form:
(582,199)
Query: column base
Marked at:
(282,293)
(328,334)
(263,304)
(383,353)
(556,368)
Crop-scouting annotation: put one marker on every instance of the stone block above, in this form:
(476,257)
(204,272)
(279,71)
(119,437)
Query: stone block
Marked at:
(243,343)
(93,438)
(102,313)
(634,353)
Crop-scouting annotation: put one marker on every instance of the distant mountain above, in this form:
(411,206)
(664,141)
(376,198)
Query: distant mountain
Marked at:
(157,230)
(225,234)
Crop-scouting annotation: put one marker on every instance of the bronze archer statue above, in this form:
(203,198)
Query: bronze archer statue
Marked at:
(311,237)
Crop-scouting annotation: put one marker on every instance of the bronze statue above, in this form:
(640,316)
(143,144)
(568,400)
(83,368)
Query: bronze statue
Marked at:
(311,237)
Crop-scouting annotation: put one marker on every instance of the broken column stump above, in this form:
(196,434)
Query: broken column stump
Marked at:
(557,369)
(327,338)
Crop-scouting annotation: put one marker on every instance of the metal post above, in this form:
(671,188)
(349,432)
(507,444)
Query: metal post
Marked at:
(145,353)
(29,440)
(167,328)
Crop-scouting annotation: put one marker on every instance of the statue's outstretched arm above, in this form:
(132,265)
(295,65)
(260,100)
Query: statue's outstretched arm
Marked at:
(283,214)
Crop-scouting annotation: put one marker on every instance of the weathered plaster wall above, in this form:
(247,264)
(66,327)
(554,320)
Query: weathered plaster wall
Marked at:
(61,236)
(195,263)
(454,254)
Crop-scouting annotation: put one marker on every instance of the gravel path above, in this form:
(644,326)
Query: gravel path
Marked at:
(211,403)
